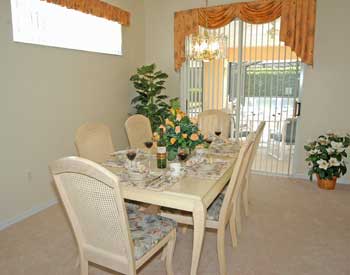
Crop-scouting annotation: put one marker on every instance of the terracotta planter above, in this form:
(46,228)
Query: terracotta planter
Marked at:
(326,183)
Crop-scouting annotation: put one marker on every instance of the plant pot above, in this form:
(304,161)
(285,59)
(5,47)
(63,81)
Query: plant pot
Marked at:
(326,184)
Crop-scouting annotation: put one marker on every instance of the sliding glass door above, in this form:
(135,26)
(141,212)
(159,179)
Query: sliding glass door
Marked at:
(259,80)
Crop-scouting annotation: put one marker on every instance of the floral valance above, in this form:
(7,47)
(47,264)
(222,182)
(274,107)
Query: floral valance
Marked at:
(298,19)
(97,8)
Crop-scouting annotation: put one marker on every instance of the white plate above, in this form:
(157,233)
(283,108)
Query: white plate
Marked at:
(206,167)
(136,176)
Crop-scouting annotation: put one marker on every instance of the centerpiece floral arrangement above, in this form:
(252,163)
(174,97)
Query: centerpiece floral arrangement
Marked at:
(326,158)
(179,131)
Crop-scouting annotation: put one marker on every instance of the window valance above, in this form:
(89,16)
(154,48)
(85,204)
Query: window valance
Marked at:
(97,8)
(298,19)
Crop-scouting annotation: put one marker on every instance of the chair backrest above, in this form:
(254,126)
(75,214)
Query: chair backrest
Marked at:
(234,186)
(94,142)
(289,130)
(257,137)
(211,120)
(96,211)
(138,128)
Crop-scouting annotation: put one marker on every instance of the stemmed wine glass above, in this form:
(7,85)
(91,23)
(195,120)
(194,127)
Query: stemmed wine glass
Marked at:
(209,141)
(131,155)
(218,132)
(182,154)
(149,144)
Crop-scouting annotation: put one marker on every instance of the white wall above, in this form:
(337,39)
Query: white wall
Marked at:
(326,91)
(46,93)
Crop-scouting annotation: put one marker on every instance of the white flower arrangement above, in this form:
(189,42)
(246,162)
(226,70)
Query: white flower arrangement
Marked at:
(326,156)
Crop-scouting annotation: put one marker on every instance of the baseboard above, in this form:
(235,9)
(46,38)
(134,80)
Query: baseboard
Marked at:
(300,176)
(26,214)
(342,180)
(262,173)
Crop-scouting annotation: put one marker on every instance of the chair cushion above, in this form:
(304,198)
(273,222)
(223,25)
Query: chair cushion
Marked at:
(213,211)
(215,207)
(131,205)
(147,230)
(276,136)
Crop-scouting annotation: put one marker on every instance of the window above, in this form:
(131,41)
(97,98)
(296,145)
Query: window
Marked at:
(42,23)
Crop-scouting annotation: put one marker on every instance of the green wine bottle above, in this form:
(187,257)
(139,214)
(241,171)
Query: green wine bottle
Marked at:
(161,151)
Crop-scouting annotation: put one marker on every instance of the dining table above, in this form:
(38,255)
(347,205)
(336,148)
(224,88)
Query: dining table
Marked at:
(190,193)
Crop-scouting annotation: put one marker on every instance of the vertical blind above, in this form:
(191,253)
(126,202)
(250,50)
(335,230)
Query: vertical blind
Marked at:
(257,81)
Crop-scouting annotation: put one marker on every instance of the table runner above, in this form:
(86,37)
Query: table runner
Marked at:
(151,180)
(224,148)
(207,166)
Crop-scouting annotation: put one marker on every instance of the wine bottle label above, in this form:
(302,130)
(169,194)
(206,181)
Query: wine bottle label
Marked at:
(161,156)
(161,150)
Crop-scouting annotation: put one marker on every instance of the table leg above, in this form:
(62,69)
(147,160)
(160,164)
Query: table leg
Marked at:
(199,219)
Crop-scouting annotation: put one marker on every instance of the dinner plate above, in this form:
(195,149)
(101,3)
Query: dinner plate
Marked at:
(206,167)
(136,176)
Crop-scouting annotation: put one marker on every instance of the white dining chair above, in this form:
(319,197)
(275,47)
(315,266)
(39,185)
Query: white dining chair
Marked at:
(93,141)
(243,198)
(223,209)
(106,233)
(211,120)
(278,139)
(138,129)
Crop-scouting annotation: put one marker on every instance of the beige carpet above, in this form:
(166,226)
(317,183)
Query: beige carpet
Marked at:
(294,229)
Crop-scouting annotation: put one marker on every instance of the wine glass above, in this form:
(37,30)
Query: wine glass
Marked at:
(217,132)
(182,154)
(209,141)
(149,144)
(131,155)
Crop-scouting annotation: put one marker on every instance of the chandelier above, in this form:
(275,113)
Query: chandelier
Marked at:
(207,45)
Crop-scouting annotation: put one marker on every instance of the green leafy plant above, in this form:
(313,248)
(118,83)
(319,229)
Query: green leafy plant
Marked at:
(179,131)
(150,101)
(326,156)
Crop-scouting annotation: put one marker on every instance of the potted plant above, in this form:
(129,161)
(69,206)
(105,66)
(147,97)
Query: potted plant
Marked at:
(179,131)
(326,158)
(150,101)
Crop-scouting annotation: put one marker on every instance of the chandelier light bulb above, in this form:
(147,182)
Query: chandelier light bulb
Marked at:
(207,46)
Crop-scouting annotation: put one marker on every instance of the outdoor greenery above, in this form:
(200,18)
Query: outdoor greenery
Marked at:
(326,156)
(179,131)
(150,101)
(271,82)
(264,80)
